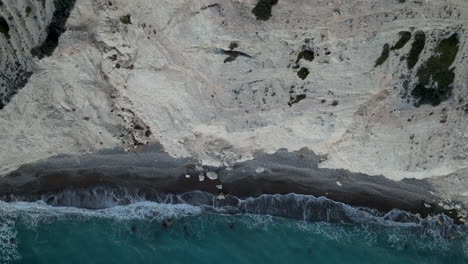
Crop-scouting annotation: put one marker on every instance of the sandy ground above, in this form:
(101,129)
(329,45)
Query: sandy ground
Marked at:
(154,172)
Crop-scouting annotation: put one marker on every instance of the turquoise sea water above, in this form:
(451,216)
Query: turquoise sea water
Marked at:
(133,233)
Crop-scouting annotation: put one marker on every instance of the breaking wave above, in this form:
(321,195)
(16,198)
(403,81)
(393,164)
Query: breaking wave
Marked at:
(319,216)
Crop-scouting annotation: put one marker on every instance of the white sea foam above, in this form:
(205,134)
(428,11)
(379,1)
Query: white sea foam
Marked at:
(399,228)
(39,211)
(8,246)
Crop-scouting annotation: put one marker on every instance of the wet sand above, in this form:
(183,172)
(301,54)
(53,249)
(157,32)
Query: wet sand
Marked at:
(280,173)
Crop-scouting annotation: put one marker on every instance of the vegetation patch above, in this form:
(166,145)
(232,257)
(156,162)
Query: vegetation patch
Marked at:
(233,54)
(416,48)
(384,56)
(262,10)
(308,55)
(296,99)
(435,76)
(56,28)
(28,11)
(405,36)
(303,73)
(127,19)
(233,45)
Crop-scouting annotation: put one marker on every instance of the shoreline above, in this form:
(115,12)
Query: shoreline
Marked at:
(280,173)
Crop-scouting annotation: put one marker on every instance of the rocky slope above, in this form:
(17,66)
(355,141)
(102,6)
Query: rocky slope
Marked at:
(377,87)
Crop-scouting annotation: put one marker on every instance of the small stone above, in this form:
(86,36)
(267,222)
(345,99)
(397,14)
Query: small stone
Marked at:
(446,207)
(187,176)
(219,187)
(259,170)
(441,204)
(212,175)
(427,205)
(201,177)
(458,206)
(221,196)
(339,183)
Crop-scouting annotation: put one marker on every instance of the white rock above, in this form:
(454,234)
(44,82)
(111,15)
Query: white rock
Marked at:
(187,176)
(427,205)
(259,170)
(219,187)
(339,183)
(201,177)
(212,175)
(221,196)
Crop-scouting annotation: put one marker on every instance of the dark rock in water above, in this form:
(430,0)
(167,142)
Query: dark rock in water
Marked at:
(56,28)
(167,223)
(303,73)
(416,48)
(435,76)
(405,36)
(384,56)
(262,10)
(231,225)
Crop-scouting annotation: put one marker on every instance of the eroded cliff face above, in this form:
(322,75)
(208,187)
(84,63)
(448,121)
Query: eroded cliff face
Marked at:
(28,29)
(378,87)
